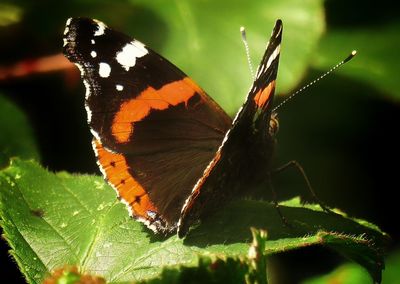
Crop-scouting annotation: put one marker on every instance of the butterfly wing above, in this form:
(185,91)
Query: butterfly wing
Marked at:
(247,147)
(155,130)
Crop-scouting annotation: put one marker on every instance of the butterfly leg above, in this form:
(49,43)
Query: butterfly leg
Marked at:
(275,200)
(296,165)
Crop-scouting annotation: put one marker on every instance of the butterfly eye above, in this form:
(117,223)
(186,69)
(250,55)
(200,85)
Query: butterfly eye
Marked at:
(273,124)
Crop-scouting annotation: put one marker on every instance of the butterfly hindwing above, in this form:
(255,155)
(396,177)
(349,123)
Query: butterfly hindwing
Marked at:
(247,148)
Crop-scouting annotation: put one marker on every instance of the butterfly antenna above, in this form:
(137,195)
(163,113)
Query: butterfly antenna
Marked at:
(246,47)
(347,59)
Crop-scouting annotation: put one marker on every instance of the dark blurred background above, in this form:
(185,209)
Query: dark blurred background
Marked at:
(343,130)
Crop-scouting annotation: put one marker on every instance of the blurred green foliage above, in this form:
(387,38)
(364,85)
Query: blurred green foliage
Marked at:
(351,273)
(16,137)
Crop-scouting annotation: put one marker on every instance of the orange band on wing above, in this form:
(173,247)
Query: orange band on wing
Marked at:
(261,98)
(117,172)
(138,108)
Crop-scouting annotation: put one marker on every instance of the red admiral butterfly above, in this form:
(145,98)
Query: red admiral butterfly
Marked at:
(170,152)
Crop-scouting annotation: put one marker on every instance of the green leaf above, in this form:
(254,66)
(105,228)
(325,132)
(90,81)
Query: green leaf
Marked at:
(9,14)
(251,269)
(377,61)
(356,239)
(391,274)
(352,273)
(52,220)
(207,270)
(203,39)
(16,137)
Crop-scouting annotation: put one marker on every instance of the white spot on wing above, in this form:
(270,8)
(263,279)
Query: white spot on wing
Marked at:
(80,68)
(273,55)
(87,86)
(93,53)
(104,70)
(92,41)
(95,134)
(100,28)
(88,112)
(264,67)
(85,82)
(151,214)
(67,26)
(119,87)
(278,33)
(129,53)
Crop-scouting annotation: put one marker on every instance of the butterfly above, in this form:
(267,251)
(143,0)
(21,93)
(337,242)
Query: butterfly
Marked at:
(167,148)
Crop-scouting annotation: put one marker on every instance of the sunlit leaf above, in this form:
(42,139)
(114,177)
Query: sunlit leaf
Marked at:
(53,220)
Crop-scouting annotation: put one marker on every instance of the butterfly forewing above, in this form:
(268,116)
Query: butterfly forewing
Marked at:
(155,130)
